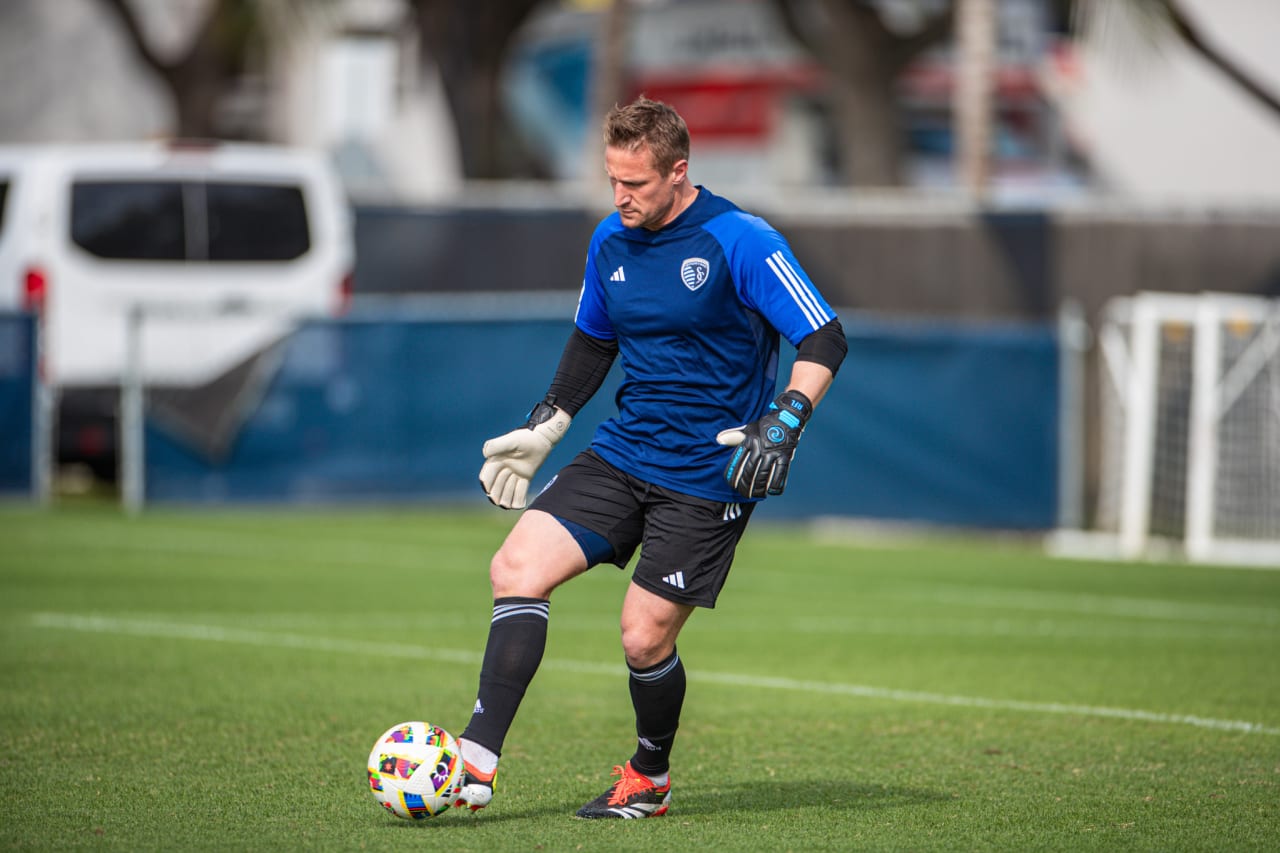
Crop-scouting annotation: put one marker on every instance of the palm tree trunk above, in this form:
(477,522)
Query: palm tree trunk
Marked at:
(973,95)
(608,66)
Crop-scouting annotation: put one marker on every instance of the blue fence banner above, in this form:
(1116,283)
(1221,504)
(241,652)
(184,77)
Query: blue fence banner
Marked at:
(374,411)
(953,425)
(947,425)
(17,402)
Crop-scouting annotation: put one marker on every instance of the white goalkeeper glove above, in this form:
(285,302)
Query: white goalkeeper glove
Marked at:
(511,460)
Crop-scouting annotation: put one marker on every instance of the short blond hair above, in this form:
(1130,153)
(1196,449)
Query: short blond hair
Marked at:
(652,124)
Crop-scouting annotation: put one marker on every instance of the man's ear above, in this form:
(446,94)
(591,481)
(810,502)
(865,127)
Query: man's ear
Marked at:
(679,172)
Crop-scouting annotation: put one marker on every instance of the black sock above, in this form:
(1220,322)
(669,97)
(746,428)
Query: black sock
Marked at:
(657,693)
(517,639)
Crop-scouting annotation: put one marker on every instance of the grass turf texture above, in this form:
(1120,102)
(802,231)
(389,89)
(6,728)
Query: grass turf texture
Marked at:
(214,680)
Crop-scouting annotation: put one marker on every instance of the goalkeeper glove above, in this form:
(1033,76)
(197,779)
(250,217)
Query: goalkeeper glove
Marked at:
(511,460)
(759,466)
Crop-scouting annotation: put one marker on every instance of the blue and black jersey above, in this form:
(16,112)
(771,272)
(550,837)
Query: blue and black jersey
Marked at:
(697,308)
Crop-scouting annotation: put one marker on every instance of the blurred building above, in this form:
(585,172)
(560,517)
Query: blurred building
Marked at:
(342,75)
(70,76)
(1154,118)
(349,76)
(1119,110)
(754,98)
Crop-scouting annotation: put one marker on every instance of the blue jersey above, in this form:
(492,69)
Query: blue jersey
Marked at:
(696,308)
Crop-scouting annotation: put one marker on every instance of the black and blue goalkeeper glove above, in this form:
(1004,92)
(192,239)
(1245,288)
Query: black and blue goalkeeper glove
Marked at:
(760,464)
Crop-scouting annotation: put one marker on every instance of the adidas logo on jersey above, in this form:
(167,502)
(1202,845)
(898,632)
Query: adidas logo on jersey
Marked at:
(676,580)
(618,275)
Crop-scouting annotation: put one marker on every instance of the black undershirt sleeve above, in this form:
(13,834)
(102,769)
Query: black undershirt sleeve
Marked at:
(583,366)
(826,346)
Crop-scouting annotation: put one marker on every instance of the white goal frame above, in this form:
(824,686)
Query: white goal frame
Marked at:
(1130,339)
(1213,393)
(133,380)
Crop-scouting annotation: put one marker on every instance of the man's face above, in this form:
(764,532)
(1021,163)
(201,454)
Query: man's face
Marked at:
(644,198)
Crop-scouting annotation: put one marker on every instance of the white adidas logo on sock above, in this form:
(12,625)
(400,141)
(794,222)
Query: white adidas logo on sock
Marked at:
(676,580)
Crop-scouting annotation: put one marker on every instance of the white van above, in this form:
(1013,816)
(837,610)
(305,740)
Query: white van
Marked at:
(222,248)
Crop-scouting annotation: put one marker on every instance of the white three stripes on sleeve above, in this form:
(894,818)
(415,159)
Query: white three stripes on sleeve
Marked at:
(800,292)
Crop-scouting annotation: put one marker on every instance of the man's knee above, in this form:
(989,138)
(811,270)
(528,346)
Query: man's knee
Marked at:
(644,651)
(646,642)
(516,572)
(504,572)
(650,626)
(537,556)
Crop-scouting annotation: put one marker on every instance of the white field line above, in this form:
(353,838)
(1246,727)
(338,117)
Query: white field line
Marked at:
(1097,605)
(342,551)
(209,544)
(271,639)
(1043,629)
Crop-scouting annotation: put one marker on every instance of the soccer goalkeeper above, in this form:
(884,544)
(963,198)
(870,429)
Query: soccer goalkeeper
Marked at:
(692,294)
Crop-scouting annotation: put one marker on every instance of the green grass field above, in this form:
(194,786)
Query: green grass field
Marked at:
(189,680)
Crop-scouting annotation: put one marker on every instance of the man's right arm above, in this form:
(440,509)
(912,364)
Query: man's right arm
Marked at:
(584,364)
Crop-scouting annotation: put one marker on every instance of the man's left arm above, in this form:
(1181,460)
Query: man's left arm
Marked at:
(810,379)
(818,359)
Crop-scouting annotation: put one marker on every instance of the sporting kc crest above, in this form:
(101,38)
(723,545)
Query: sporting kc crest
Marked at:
(694,272)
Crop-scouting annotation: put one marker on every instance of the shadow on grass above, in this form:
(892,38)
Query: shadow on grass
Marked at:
(790,795)
(756,798)
(461,820)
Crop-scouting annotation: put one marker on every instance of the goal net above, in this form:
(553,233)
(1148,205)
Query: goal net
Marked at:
(1190,427)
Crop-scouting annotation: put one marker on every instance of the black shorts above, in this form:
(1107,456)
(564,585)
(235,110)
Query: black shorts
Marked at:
(687,543)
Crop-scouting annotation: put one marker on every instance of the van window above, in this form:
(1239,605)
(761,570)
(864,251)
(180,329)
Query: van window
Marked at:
(129,220)
(189,220)
(4,193)
(255,222)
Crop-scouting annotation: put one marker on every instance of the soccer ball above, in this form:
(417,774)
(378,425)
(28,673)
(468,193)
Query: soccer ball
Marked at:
(415,770)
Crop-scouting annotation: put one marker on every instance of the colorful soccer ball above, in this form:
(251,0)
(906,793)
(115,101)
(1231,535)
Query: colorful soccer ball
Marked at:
(415,770)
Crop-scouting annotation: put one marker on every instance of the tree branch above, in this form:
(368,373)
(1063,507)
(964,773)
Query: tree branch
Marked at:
(1189,33)
(937,28)
(133,27)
